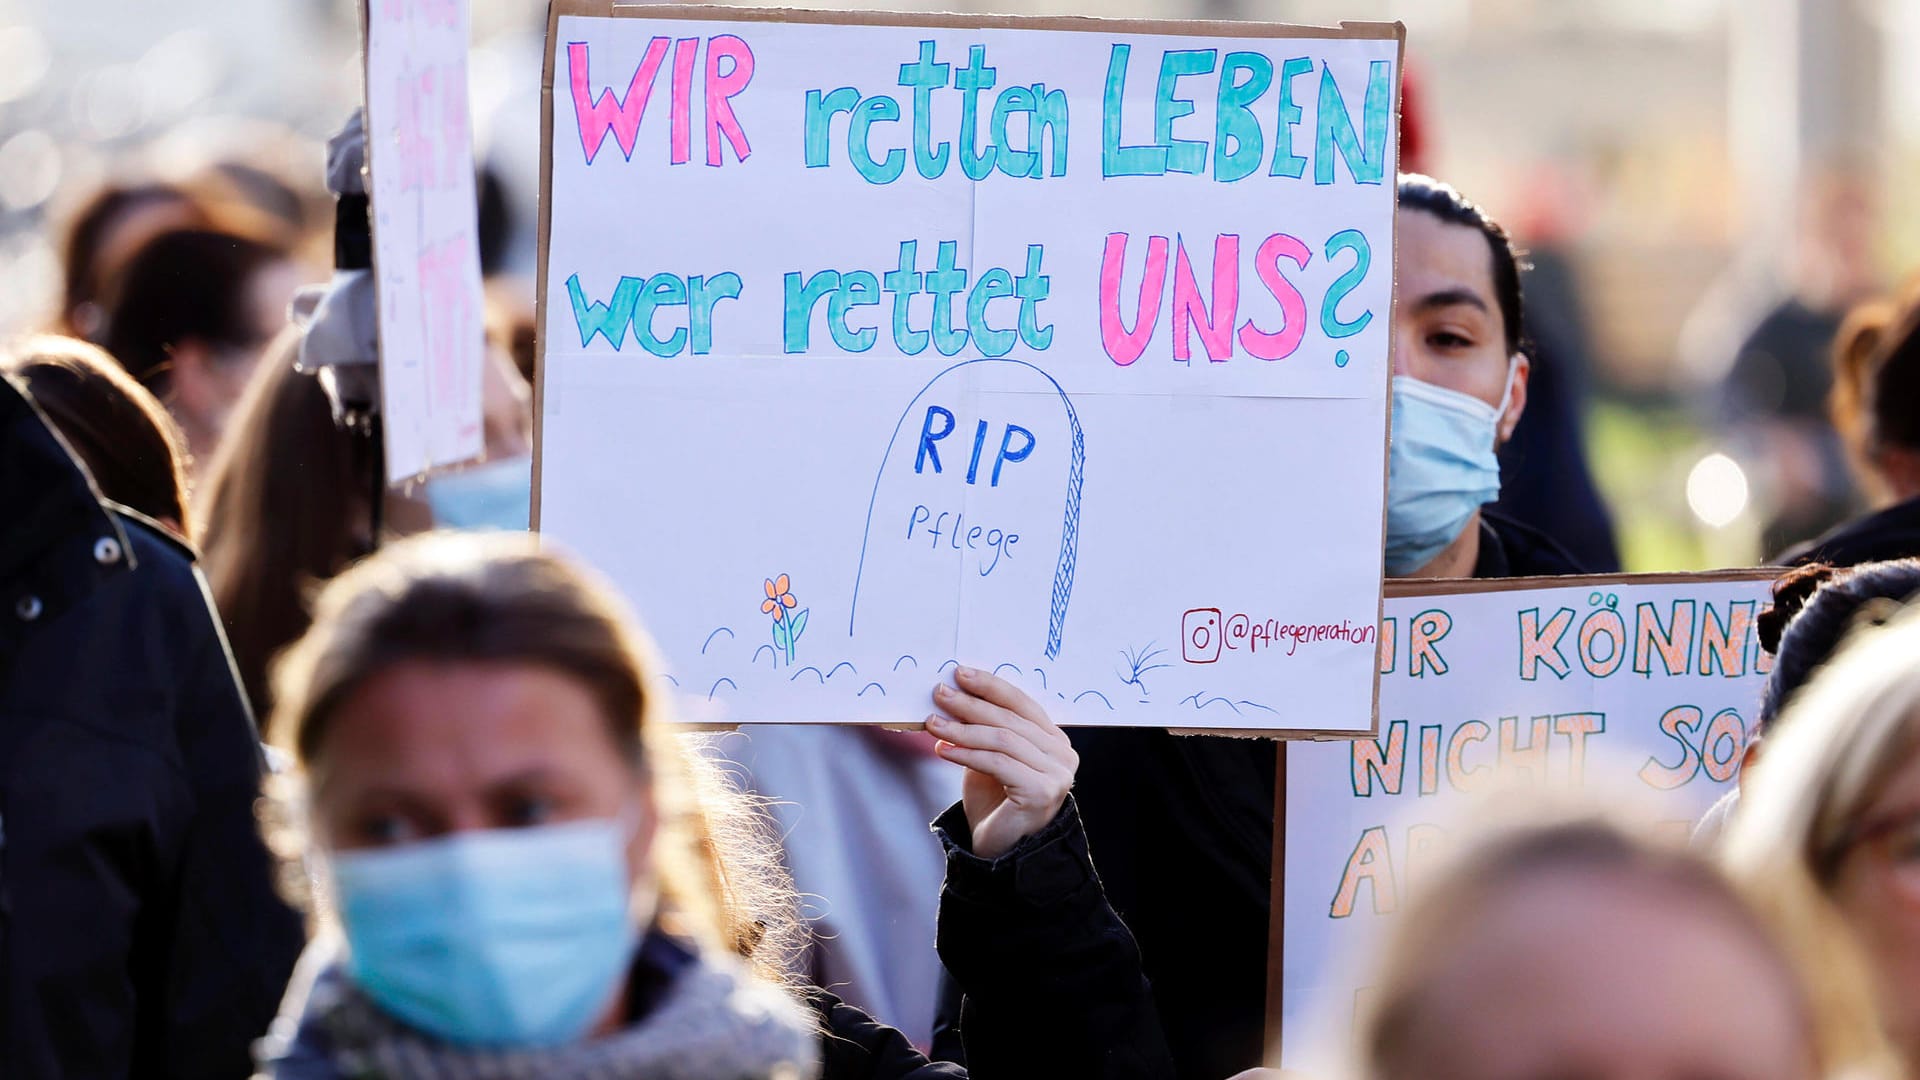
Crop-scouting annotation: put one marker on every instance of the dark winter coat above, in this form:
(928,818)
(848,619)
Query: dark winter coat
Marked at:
(140,935)
(1892,533)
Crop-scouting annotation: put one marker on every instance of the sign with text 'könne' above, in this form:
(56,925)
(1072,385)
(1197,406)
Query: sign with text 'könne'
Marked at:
(1643,685)
(426,250)
(876,344)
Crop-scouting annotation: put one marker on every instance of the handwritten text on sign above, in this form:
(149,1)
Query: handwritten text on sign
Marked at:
(1005,346)
(1611,683)
(426,249)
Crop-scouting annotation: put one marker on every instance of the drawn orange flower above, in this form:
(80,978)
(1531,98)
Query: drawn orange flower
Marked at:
(779,598)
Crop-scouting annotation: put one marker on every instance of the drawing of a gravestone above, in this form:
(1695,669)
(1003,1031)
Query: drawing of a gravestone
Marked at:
(975,508)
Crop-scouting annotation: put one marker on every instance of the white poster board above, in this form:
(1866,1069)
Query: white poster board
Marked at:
(426,248)
(1648,684)
(847,375)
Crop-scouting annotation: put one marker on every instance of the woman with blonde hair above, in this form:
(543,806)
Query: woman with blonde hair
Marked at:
(1572,945)
(1829,825)
(525,884)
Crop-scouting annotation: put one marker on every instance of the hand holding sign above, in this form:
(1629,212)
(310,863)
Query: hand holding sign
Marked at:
(1019,763)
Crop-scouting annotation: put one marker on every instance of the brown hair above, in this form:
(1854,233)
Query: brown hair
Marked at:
(94,245)
(184,285)
(284,506)
(1875,400)
(497,598)
(1815,609)
(128,442)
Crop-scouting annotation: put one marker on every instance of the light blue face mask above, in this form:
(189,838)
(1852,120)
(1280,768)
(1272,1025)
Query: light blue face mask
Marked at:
(496,495)
(1441,467)
(507,937)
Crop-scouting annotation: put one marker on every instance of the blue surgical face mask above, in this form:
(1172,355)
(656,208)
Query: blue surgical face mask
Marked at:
(1441,468)
(508,937)
(496,495)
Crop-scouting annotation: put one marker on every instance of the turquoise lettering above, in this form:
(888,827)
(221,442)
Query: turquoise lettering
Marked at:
(1334,128)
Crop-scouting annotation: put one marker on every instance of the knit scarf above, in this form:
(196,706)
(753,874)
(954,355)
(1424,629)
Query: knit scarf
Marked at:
(712,1025)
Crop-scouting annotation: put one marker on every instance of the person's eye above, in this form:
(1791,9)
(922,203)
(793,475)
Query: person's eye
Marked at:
(1904,844)
(525,810)
(1448,340)
(385,830)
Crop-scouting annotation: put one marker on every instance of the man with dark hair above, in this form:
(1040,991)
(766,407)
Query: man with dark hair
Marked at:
(140,934)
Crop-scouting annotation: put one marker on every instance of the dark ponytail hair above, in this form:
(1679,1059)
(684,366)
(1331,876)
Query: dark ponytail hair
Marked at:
(1814,608)
(1424,193)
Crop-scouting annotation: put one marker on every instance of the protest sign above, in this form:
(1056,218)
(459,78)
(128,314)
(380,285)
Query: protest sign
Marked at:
(1648,684)
(426,250)
(874,344)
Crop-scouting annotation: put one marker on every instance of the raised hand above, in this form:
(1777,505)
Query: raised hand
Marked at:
(1019,763)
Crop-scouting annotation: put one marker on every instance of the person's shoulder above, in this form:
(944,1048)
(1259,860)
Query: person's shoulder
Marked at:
(161,561)
(1524,551)
(1889,533)
(149,536)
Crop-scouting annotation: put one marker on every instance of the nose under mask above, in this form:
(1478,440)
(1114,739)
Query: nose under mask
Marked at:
(509,937)
(1441,468)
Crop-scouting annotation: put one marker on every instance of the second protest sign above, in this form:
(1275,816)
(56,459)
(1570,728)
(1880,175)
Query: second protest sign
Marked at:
(1638,685)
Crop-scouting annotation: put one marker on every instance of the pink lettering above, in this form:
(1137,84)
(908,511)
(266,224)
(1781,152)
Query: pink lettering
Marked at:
(1293,306)
(608,112)
(1216,332)
(682,134)
(721,89)
(411,144)
(1125,346)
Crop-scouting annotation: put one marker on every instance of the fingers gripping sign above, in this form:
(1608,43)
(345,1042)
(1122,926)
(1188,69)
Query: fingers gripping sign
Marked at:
(1019,763)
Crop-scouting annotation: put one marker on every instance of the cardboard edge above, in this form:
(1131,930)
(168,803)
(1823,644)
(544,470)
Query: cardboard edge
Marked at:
(1406,587)
(543,236)
(381,346)
(1276,916)
(1351,30)
(1393,314)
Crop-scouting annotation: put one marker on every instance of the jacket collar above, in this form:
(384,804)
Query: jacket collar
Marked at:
(58,542)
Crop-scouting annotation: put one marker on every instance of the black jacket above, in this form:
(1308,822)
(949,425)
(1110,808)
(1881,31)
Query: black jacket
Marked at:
(140,935)
(1184,830)
(1892,533)
(1052,979)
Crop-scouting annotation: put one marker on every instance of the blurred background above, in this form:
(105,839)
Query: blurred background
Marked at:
(1705,187)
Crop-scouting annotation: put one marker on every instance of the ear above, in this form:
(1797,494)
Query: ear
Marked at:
(1517,400)
(1747,758)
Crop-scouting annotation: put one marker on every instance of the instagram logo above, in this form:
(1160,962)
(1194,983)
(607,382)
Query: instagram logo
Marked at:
(1200,636)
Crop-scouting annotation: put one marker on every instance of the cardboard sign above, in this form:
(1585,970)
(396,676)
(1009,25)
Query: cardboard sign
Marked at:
(876,344)
(426,248)
(1649,683)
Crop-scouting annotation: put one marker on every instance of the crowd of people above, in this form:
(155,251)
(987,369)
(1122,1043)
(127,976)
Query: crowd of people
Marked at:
(302,776)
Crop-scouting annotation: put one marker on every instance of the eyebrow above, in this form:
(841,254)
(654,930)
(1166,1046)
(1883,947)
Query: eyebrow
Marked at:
(532,774)
(1450,298)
